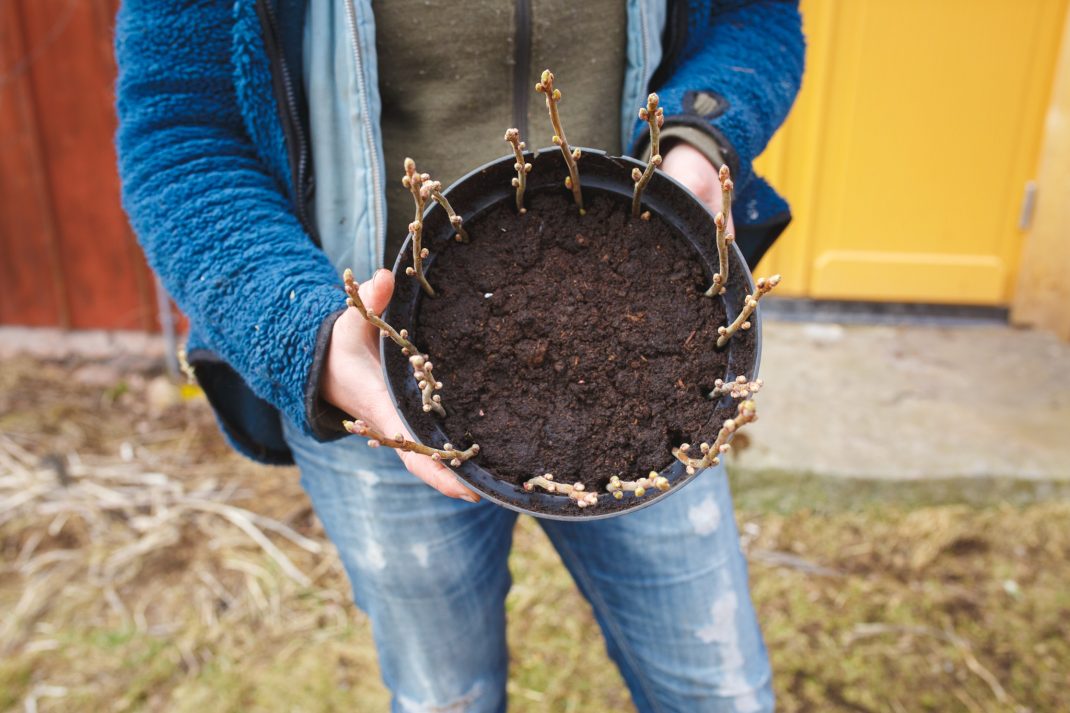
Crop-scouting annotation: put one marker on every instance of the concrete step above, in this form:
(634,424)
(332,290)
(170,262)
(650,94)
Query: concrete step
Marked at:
(911,401)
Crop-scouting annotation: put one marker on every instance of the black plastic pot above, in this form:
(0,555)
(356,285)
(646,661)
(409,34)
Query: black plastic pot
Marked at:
(480,191)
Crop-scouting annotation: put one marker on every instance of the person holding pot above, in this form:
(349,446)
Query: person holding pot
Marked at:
(257,140)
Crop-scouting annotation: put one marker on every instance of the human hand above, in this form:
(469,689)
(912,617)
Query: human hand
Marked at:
(353,381)
(690,167)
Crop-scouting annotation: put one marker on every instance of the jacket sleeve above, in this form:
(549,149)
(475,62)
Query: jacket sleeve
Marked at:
(215,223)
(737,76)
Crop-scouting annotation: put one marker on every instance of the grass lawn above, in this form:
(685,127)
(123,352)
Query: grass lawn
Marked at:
(134,575)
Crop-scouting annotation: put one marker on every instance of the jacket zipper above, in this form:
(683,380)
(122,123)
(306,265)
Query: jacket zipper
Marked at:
(522,68)
(369,135)
(292,127)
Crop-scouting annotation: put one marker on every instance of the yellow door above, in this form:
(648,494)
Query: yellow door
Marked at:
(907,155)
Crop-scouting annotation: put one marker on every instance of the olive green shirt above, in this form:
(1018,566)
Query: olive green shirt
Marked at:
(449,71)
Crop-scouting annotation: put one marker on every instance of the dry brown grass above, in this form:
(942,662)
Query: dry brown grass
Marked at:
(146,567)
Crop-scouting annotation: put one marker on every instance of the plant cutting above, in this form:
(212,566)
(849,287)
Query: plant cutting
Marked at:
(655,118)
(421,365)
(738,388)
(375,439)
(523,168)
(553,98)
(723,238)
(742,321)
(584,348)
(423,188)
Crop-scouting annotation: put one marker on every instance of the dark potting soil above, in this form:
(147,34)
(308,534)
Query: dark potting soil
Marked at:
(578,346)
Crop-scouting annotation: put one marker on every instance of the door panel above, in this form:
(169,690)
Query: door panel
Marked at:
(906,156)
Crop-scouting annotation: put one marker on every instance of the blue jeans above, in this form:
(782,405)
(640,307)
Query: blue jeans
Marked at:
(668,585)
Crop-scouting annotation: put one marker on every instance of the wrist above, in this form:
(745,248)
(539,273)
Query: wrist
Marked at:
(343,334)
(700,141)
(692,167)
(324,418)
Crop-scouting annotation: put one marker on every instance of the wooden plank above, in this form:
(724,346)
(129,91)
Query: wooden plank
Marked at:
(1043,291)
(72,78)
(32,291)
(104,12)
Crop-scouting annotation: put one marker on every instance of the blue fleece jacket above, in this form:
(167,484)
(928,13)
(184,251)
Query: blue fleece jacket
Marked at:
(749,56)
(209,187)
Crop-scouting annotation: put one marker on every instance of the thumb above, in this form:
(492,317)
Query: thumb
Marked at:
(376,292)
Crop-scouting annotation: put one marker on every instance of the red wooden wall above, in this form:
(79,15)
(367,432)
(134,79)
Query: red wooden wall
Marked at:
(67,255)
